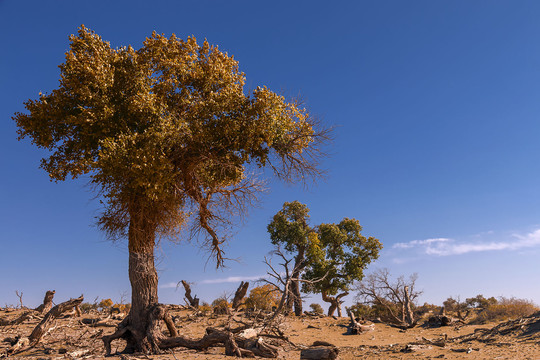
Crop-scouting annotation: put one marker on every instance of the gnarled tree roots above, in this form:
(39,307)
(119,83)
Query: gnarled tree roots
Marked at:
(153,341)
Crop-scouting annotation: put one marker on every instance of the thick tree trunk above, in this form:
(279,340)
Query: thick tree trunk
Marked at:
(136,328)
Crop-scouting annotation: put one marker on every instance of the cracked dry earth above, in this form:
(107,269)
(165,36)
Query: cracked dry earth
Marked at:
(70,338)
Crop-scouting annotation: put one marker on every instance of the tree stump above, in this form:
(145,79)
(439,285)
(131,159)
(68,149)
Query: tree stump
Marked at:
(240,294)
(47,302)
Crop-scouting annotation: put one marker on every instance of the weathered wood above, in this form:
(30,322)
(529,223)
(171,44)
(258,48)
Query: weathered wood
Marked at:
(355,327)
(407,312)
(190,300)
(240,294)
(235,344)
(47,302)
(55,312)
(44,325)
(319,353)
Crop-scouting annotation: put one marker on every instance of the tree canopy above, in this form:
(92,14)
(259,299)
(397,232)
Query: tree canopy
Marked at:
(167,130)
(344,253)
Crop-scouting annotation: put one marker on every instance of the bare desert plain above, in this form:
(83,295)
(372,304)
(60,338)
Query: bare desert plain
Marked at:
(75,337)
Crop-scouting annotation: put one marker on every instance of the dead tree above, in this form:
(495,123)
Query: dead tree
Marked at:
(240,294)
(395,297)
(19,295)
(190,300)
(47,302)
(28,342)
(283,280)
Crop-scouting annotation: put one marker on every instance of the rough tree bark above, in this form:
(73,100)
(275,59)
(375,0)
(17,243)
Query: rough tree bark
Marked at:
(137,328)
(407,312)
(335,302)
(47,302)
(240,294)
(192,301)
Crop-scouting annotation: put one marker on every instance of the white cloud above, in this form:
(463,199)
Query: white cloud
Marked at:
(230,279)
(415,243)
(168,285)
(447,247)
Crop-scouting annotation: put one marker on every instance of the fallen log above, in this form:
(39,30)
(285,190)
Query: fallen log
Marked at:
(355,327)
(25,343)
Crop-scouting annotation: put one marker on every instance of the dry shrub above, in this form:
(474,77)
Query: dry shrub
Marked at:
(221,306)
(507,308)
(316,308)
(205,308)
(265,297)
(105,304)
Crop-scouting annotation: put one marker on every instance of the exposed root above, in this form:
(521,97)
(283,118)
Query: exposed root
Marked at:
(154,342)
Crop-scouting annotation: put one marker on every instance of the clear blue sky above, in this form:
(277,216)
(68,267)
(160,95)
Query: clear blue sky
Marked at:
(437,110)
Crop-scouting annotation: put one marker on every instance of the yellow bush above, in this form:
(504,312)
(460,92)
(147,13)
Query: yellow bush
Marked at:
(263,297)
(106,303)
(506,309)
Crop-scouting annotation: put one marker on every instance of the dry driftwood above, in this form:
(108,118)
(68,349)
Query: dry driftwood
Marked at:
(240,294)
(190,300)
(27,342)
(355,327)
(234,344)
(47,302)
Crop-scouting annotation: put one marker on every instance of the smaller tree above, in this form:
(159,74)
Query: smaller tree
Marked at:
(395,298)
(339,255)
(290,229)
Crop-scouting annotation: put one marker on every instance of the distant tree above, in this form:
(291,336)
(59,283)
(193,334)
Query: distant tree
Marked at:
(393,299)
(169,139)
(480,302)
(339,258)
(290,229)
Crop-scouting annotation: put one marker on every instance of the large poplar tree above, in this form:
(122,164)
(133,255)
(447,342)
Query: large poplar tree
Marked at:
(170,139)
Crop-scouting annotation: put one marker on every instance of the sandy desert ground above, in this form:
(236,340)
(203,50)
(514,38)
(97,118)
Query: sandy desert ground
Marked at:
(70,338)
